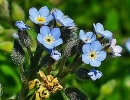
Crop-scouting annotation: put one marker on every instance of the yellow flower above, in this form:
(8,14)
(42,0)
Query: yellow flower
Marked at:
(47,85)
(42,93)
(50,82)
(33,83)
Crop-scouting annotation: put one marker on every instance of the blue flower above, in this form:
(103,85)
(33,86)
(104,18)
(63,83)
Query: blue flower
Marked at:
(92,54)
(99,29)
(89,37)
(61,19)
(49,38)
(127,45)
(21,25)
(55,54)
(115,49)
(42,16)
(94,74)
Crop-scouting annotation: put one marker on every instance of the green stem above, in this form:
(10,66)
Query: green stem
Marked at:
(24,85)
(23,93)
(34,63)
(30,54)
(31,72)
(61,68)
(65,70)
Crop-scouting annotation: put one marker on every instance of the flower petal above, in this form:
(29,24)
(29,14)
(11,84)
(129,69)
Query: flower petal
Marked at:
(81,34)
(95,74)
(48,46)
(44,30)
(95,63)
(117,49)
(55,33)
(96,46)
(55,54)
(86,48)
(44,11)
(40,38)
(117,54)
(107,34)
(98,28)
(33,19)
(99,74)
(85,59)
(101,55)
(70,24)
(58,14)
(21,25)
(113,42)
(93,38)
(127,45)
(33,12)
(48,19)
(57,42)
(67,21)
(89,34)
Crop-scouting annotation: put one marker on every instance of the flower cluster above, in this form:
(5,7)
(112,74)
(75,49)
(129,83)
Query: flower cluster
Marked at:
(96,46)
(45,87)
(58,39)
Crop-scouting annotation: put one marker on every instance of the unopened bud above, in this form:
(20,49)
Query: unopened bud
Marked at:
(69,47)
(18,53)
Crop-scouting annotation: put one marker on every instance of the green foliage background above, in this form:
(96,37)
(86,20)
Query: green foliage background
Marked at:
(113,14)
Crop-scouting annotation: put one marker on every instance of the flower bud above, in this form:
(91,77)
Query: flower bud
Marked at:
(82,73)
(70,46)
(75,94)
(18,53)
(24,38)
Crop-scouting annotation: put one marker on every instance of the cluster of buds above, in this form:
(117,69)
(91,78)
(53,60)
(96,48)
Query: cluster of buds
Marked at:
(58,39)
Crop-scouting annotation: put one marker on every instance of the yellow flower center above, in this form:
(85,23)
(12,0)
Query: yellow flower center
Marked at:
(92,55)
(49,39)
(58,24)
(99,36)
(108,50)
(40,19)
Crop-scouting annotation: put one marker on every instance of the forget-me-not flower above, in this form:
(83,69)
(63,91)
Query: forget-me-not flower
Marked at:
(42,16)
(99,29)
(92,54)
(95,74)
(127,45)
(55,54)
(89,37)
(21,25)
(115,49)
(61,19)
(49,38)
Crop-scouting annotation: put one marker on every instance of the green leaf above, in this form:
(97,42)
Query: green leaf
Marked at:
(6,46)
(17,12)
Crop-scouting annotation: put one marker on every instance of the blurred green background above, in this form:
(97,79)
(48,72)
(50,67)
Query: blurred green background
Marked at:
(113,14)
